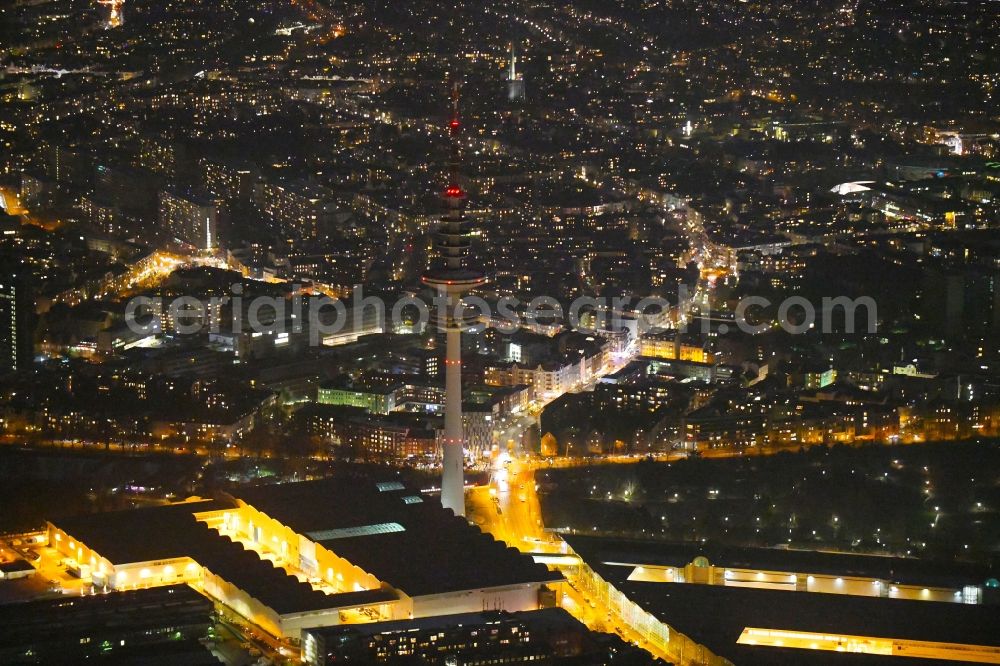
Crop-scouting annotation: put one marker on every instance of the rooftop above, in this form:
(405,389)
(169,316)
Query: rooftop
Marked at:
(715,616)
(428,550)
(120,536)
(686,607)
(414,546)
(900,570)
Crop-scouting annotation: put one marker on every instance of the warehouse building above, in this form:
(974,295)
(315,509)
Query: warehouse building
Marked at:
(293,556)
(771,607)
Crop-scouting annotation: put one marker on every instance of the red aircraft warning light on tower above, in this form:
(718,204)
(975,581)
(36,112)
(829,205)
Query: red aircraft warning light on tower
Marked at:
(452,278)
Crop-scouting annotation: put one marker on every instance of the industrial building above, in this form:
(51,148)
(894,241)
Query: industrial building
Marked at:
(288,557)
(772,607)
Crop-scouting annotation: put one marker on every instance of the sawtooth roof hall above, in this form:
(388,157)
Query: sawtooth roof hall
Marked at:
(312,554)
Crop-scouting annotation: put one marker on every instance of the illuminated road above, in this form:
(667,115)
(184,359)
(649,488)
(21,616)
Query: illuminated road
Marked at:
(39,69)
(509,509)
(320,12)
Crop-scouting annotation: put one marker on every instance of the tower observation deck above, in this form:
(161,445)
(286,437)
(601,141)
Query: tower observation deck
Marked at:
(451,278)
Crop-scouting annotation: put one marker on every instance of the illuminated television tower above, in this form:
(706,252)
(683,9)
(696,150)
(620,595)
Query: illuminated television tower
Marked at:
(115,17)
(452,278)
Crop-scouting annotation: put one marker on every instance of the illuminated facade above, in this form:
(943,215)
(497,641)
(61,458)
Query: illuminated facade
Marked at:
(670,346)
(550,378)
(15,343)
(701,571)
(763,607)
(293,556)
(515,80)
(886,647)
(296,209)
(191,219)
(394,437)
(230,181)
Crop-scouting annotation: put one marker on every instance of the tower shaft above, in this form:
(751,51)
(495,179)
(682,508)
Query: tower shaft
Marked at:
(453,474)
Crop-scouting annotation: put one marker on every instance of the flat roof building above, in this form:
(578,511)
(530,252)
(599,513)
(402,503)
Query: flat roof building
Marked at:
(293,556)
(547,636)
(154,626)
(769,607)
